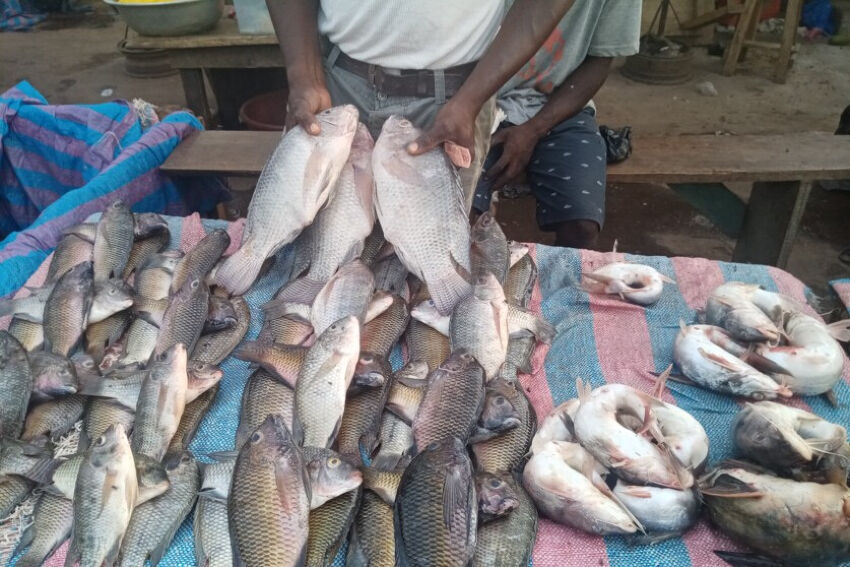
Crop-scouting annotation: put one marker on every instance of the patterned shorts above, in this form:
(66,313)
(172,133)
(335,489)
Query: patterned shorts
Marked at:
(566,173)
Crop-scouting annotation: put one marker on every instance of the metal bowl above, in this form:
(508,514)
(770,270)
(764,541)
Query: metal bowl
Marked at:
(177,17)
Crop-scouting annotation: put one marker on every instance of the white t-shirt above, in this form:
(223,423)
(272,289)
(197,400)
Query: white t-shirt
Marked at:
(412,34)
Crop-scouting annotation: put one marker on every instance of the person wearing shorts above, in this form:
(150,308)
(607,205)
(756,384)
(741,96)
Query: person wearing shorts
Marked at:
(550,134)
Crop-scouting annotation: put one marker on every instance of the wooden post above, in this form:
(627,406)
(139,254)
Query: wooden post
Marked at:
(733,52)
(789,37)
(196,95)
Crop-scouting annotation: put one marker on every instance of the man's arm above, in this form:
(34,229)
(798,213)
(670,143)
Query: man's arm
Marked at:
(296,25)
(568,100)
(524,29)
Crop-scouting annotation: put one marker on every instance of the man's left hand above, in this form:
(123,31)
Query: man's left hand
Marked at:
(454,127)
(518,144)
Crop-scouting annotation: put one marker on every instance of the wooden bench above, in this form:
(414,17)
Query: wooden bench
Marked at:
(782,169)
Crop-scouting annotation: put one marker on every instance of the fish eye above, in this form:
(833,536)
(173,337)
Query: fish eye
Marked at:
(404,122)
(100,441)
(256,437)
(333,327)
(195,284)
(500,400)
(367,359)
(333,462)
(495,483)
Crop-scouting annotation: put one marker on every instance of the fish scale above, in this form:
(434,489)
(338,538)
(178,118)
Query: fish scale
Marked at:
(29,334)
(428,344)
(70,251)
(184,318)
(264,395)
(361,419)
(67,308)
(212,535)
(520,282)
(506,452)
(329,525)
(144,248)
(480,324)
(13,489)
(396,440)
(372,541)
(382,333)
(198,261)
(54,417)
(508,541)
(348,292)
(489,252)
(16,382)
(193,414)
(113,242)
(215,347)
(52,520)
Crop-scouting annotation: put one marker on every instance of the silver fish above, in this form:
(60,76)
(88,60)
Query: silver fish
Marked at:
(70,251)
(184,318)
(489,252)
(198,261)
(51,526)
(67,308)
(348,292)
(212,536)
(479,324)
(113,242)
(16,383)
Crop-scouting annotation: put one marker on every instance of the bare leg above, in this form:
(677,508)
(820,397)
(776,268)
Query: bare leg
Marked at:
(577,234)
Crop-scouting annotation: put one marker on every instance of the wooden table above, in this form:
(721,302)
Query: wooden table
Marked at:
(221,49)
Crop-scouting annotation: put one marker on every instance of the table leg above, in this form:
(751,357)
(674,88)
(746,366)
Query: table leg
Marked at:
(771,222)
(196,94)
(789,37)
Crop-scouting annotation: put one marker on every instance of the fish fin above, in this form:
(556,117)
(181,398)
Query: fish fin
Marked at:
(661,383)
(542,329)
(840,330)
(7,307)
(202,558)
(583,390)
(297,431)
(402,170)
(112,556)
(237,272)
(301,290)
(454,494)
(610,494)
(762,363)
(42,471)
(305,479)
(334,433)
(831,398)
(599,278)
(747,559)
(148,318)
(400,553)
(380,302)
(221,456)
(446,291)
(667,279)
(716,359)
(26,539)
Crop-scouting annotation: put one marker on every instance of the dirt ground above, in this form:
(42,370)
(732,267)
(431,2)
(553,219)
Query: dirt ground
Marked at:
(76,61)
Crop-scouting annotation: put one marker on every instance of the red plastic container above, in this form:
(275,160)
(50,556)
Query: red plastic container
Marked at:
(265,112)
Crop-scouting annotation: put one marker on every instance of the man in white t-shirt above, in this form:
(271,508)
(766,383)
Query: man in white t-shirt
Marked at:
(436,62)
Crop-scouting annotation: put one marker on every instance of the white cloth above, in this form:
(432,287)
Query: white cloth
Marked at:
(412,34)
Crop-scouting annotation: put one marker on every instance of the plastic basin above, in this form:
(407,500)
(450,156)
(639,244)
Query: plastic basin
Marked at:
(177,17)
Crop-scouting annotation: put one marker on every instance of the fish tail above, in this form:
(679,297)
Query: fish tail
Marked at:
(250,351)
(446,291)
(239,271)
(544,330)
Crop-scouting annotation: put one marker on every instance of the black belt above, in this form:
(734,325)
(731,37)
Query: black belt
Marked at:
(420,83)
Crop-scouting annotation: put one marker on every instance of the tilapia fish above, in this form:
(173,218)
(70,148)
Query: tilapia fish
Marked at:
(104,497)
(337,234)
(295,183)
(479,324)
(212,536)
(497,495)
(498,414)
(264,395)
(323,382)
(348,292)
(490,252)
(15,385)
(329,527)
(151,235)
(269,502)
(29,334)
(100,413)
(100,336)
(396,443)
(382,333)
(361,420)
(436,509)
(407,390)
(54,417)
(213,348)
(452,402)
(153,279)
(506,452)
(154,523)
(508,541)
(30,460)
(329,475)
(198,261)
(70,251)
(52,520)
(184,318)
(520,282)
(281,360)
(427,344)
(13,489)
(372,541)
(113,242)
(420,206)
(67,308)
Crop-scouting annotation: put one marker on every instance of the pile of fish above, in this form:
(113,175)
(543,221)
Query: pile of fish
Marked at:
(122,343)
(760,345)
(618,461)
(792,503)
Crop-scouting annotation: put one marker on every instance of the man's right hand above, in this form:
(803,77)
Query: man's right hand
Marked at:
(304,104)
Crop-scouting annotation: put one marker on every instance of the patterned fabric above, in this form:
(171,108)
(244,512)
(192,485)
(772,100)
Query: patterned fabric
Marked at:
(600,339)
(842,289)
(59,164)
(17,15)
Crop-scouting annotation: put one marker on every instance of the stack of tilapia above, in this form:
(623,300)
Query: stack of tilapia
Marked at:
(324,387)
(618,461)
(760,345)
(790,501)
(122,341)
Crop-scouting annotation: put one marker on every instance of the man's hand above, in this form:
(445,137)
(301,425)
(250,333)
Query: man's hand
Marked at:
(454,127)
(304,104)
(517,146)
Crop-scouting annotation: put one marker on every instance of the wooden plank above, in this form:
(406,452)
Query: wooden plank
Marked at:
(733,51)
(771,222)
(670,159)
(196,94)
(762,44)
(225,34)
(227,57)
(789,36)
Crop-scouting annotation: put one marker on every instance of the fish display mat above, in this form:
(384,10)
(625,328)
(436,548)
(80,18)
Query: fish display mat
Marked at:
(601,339)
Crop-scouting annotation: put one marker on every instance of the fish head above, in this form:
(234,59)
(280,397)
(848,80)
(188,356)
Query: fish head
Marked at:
(330,475)
(369,371)
(174,359)
(221,315)
(498,414)
(398,131)
(110,446)
(110,297)
(166,260)
(487,288)
(11,350)
(339,120)
(53,375)
(270,440)
(761,432)
(496,496)
(80,276)
(517,251)
(203,375)
(427,313)
(178,462)
(459,361)
(148,224)
(342,336)
(85,367)
(484,227)
(189,289)
(414,370)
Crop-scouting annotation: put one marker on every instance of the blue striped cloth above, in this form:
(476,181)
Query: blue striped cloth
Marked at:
(17,15)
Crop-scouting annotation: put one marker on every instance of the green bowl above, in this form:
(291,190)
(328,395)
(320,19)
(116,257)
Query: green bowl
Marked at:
(179,17)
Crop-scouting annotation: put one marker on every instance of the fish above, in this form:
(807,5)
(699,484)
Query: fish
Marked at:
(375,242)
(784,438)
(66,310)
(372,543)
(508,541)
(110,297)
(479,324)
(427,344)
(154,479)
(104,496)
(391,276)
(221,315)
(396,443)
(13,490)
(100,414)
(348,292)
(635,283)
(153,278)
(100,336)
(140,342)
(520,282)
(123,387)
(452,403)
(193,415)
(702,353)
(269,501)
(151,235)
(420,206)
(436,510)
(162,400)
(154,523)
(497,496)
(201,259)
(521,347)
(53,376)
(212,535)
(407,390)
(329,474)
(557,426)
(329,527)
(29,307)
(213,348)
(506,452)
(264,395)
(337,234)
(53,418)
(113,242)
(30,460)
(498,414)
(70,251)
(732,306)
(567,496)
(380,335)
(370,372)
(184,318)
(293,186)
(51,526)
(283,361)
(489,252)
(287,330)
(16,383)
(29,334)
(323,382)
(663,512)
(517,251)
(361,419)
(384,483)
(802,523)
(201,377)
